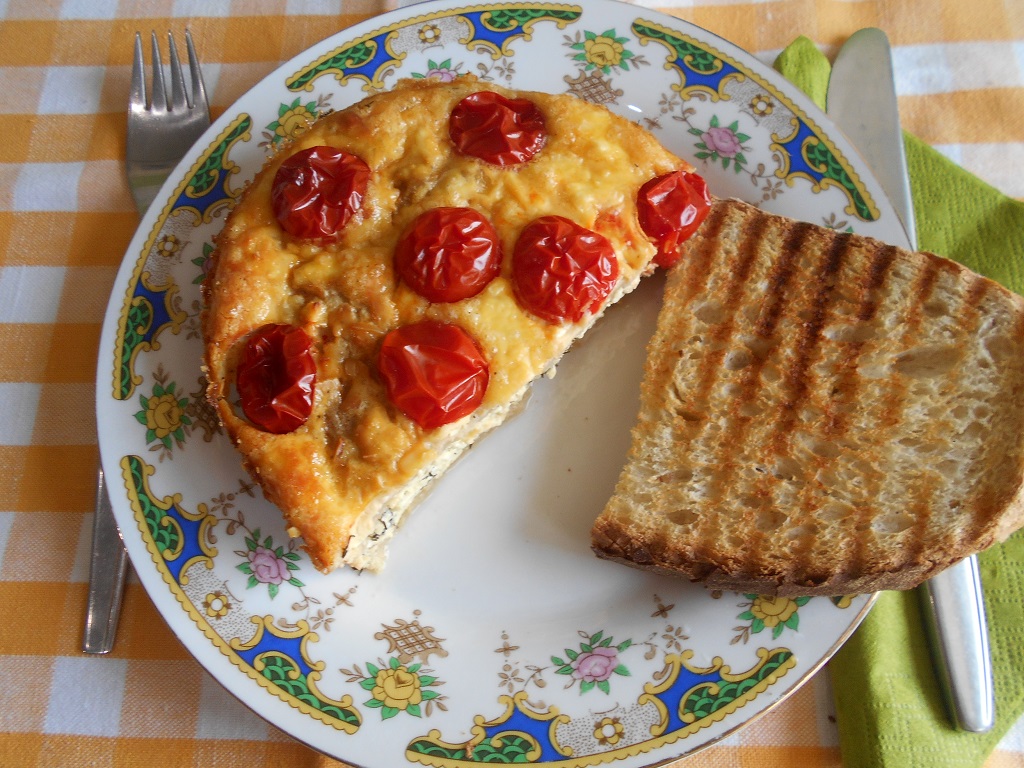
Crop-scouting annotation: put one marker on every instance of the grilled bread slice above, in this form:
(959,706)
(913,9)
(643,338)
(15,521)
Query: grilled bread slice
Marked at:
(821,414)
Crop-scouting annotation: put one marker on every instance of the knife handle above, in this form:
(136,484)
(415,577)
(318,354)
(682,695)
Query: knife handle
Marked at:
(954,618)
(107,571)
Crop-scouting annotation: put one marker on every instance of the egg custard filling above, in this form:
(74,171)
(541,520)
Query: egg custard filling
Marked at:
(389,284)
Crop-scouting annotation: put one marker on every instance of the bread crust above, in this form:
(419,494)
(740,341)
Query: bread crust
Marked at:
(821,414)
(347,476)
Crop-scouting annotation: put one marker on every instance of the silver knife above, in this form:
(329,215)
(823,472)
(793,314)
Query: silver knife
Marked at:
(862,102)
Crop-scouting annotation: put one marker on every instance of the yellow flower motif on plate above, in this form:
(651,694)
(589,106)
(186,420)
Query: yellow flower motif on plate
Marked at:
(163,414)
(603,51)
(608,731)
(774,613)
(762,104)
(773,610)
(430,33)
(168,245)
(398,688)
(216,605)
(294,122)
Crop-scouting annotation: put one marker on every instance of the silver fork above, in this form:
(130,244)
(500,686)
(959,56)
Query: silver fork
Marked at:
(160,132)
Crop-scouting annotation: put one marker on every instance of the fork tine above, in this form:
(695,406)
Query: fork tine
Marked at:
(158,103)
(137,94)
(179,101)
(199,100)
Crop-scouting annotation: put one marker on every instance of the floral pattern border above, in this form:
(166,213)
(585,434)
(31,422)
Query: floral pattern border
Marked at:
(677,700)
(279,650)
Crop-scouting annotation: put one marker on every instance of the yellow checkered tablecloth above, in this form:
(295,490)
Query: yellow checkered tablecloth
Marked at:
(66,218)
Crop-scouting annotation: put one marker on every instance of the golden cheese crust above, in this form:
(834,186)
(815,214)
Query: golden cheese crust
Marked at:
(349,472)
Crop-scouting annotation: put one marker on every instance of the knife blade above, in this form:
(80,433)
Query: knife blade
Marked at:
(862,102)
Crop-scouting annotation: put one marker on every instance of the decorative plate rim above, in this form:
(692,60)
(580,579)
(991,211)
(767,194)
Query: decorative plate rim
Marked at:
(711,71)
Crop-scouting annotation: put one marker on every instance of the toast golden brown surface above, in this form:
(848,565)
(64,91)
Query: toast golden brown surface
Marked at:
(821,414)
(345,477)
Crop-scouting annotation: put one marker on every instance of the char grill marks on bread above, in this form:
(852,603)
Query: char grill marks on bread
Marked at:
(821,413)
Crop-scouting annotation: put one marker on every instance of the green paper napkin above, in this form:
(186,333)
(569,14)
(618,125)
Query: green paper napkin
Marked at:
(890,707)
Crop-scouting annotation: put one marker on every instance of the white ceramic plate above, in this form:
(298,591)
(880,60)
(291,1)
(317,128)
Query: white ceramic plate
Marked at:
(494,634)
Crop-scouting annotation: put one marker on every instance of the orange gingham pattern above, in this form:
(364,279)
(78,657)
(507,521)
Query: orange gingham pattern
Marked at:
(66,218)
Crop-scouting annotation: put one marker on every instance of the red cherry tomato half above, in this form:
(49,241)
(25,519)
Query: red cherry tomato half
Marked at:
(276,378)
(448,254)
(316,191)
(671,207)
(561,270)
(433,372)
(496,129)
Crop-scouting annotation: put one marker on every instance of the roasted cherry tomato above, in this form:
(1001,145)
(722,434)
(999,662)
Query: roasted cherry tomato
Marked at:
(434,373)
(448,254)
(561,270)
(671,207)
(496,129)
(276,378)
(316,191)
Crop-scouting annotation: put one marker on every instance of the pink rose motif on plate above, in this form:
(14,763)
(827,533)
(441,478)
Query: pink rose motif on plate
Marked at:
(266,564)
(594,664)
(203,262)
(722,144)
(722,140)
(442,71)
(267,567)
(443,75)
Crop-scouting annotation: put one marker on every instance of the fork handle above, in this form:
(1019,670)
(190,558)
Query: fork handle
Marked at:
(107,571)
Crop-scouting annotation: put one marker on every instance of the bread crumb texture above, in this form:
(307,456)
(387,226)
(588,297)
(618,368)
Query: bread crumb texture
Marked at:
(820,414)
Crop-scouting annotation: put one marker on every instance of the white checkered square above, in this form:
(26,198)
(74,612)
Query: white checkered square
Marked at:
(953,152)
(314,7)
(988,64)
(97,686)
(921,69)
(190,8)
(71,91)
(999,165)
(103,187)
(47,187)
(19,402)
(6,523)
(927,69)
(1018,56)
(89,9)
(30,294)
